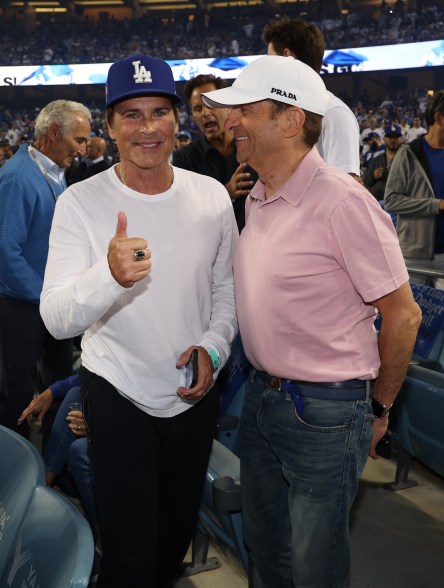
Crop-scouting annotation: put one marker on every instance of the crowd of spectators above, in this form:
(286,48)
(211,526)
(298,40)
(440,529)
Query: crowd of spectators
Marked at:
(217,33)
(214,34)
(16,127)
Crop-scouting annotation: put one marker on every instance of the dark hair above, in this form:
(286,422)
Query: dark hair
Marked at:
(312,125)
(202,80)
(303,39)
(434,105)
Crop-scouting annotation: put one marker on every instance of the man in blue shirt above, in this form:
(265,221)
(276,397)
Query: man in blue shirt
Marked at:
(30,183)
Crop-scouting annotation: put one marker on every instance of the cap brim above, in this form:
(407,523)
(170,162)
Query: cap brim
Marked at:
(226,97)
(175,98)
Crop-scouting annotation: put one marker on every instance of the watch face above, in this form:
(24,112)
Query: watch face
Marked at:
(377,407)
(379,410)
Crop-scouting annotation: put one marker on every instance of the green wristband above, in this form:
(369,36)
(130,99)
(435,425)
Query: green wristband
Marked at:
(214,358)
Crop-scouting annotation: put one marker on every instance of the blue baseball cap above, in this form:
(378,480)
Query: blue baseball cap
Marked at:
(140,75)
(392,130)
(371,135)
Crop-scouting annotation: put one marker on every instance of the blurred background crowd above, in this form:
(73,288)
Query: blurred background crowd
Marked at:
(230,32)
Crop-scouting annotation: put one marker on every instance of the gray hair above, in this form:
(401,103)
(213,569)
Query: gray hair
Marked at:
(61,112)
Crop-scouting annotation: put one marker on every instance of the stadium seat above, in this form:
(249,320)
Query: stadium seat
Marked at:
(54,547)
(419,430)
(21,470)
(232,390)
(220,515)
(429,344)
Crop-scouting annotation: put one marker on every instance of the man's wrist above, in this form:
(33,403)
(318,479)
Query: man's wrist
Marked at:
(381,411)
(214,356)
(213,353)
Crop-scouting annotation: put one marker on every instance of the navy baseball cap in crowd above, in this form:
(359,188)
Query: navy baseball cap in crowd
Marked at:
(371,135)
(392,130)
(184,134)
(140,75)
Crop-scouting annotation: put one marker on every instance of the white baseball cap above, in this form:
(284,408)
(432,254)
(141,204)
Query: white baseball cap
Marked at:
(273,77)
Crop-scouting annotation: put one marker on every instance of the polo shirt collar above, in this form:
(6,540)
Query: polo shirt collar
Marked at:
(296,186)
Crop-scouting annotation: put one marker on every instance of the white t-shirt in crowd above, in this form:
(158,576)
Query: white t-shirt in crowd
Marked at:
(339,140)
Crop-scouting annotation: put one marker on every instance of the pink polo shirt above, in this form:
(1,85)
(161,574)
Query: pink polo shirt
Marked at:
(309,264)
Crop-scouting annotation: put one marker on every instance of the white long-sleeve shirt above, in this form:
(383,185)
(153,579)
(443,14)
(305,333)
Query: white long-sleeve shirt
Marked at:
(133,337)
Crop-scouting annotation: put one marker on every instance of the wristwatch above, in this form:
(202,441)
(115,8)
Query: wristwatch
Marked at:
(380,410)
(214,358)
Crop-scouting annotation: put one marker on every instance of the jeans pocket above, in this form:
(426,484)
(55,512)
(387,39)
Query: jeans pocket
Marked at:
(326,415)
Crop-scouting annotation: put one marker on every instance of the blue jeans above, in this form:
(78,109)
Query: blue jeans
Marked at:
(81,470)
(64,447)
(299,479)
(56,452)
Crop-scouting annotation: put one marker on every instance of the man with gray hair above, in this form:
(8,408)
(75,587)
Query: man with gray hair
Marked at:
(315,260)
(30,183)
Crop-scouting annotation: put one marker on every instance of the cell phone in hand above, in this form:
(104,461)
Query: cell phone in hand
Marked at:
(384,446)
(192,368)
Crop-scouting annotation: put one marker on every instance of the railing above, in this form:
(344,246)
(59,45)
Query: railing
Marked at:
(425,271)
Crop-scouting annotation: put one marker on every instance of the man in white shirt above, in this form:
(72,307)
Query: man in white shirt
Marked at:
(339,140)
(415,131)
(372,128)
(151,428)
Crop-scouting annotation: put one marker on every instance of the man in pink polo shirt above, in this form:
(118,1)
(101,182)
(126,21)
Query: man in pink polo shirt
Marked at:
(316,261)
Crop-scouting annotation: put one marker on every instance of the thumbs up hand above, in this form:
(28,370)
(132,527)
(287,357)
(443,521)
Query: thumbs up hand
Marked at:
(125,267)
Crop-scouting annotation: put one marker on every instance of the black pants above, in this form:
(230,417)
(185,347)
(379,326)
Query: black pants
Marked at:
(30,359)
(148,474)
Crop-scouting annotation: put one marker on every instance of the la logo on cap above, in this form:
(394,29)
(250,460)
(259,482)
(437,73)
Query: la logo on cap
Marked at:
(141,76)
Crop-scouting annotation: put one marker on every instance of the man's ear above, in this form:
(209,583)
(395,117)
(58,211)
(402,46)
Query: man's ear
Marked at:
(292,121)
(289,53)
(53,131)
(110,128)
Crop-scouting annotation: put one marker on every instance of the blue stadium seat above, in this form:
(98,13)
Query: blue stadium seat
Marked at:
(220,516)
(429,345)
(419,411)
(21,470)
(232,390)
(54,547)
